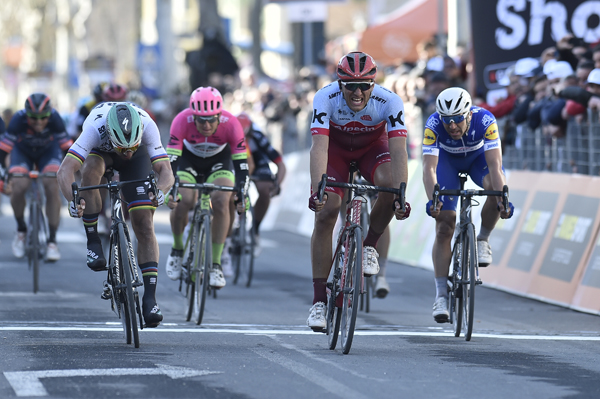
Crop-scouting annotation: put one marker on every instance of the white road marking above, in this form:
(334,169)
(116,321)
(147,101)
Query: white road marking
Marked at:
(313,376)
(292,331)
(27,383)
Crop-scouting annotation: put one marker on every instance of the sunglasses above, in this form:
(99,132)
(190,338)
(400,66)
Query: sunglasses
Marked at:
(124,150)
(454,118)
(38,117)
(202,119)
(352,86)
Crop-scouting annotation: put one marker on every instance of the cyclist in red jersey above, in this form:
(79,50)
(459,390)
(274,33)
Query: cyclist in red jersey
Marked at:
(354,120)
(206,145)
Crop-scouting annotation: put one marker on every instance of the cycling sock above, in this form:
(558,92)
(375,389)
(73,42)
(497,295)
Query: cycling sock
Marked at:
(90,222)
(382,262)
(217,250)
(371,238)
(320,290)
(21,225)
(441,287)
(52,234)
(484,234)
(178,241)
(149,274)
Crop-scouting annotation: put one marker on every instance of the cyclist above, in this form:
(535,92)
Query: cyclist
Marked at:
(460,137)
(35,138)
(354,119)
(206,145)
(267,184)
(123,137)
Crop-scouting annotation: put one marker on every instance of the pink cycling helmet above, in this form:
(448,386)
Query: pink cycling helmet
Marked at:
(206,101)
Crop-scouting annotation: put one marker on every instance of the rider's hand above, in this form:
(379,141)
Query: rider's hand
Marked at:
(506,214)
(157,200)
(433,212)
(169,200)
(241,206)
(314,204)
(398,210)
(76,211)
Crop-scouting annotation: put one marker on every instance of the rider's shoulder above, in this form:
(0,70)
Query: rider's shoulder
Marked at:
(481,117)
(328,93)
(433,122)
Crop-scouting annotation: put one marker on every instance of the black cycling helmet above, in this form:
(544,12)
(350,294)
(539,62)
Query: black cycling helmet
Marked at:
(38,105)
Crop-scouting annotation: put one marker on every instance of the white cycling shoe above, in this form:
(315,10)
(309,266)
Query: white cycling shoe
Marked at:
(217,279)
(174,266)
(316,319)
(370,263)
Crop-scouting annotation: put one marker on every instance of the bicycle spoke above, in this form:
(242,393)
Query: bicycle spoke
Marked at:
(351,289)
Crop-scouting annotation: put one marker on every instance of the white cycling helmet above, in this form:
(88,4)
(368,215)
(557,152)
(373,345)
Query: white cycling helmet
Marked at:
(453,101)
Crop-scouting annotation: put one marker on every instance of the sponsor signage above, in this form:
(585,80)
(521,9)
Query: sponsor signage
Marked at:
(591,277)
(505,228)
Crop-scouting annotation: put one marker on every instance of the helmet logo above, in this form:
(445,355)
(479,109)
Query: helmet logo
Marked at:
(125,123)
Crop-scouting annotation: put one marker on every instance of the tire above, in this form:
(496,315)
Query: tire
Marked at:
(237,248)
(469,281)
(365,300)
(351,288)
(202,258)
(456,298)
(334,314)
(188,267)
(249,245)
(33,243)
(126,273)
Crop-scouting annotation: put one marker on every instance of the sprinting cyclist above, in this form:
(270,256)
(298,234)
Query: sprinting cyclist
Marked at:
(354,119)
(460,138)
(267,184)
(206,145)
(35,138)
(123,137)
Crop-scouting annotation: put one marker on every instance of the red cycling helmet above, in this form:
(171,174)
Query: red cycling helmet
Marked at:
(206,101)
(245,121)
(356,65)
(114,92)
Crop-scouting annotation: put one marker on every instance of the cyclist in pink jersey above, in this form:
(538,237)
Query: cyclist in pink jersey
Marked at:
(206,145)
(354,120)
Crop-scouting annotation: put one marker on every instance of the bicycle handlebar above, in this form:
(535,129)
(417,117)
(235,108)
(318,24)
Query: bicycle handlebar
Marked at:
(470,193)
(201,186)
(113,185)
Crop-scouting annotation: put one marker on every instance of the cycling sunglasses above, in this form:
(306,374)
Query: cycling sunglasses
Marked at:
(209,119)
(124,150)
(38,117)
(352,86)
(454,118)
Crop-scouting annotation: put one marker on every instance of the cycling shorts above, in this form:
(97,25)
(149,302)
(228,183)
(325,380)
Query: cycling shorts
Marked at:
(263,173)
(24,157)
(194,169)
(447,173)
(138,167)
(367,159)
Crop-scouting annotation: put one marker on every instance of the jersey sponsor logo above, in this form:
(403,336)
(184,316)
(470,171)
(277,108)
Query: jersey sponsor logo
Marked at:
(140,190)
(432,123)
(244,166)
(98,116)
(334,95)
(492,132)
(358,128)
(366,118)
(429,137)
(318,116)
(398,119)
(314,131)
(216,167)
(427,150)
(381,100)
(241,145)
(383,154)
(493,145)
(487,120)
(102,131)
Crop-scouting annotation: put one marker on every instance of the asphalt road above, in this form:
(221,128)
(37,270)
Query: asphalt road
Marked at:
(65,342)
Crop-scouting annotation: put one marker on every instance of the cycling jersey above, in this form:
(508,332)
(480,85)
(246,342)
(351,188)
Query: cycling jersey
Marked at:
(2,126)
(481,136)
(20,134)
(95,136)
(351,130)
(262,152)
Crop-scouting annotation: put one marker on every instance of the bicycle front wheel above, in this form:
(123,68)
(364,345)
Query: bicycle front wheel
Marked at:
(351,288)
(33,243)
(455,296)
(188,278)
(202,266)
(469,279)
(334,314)
(126,273)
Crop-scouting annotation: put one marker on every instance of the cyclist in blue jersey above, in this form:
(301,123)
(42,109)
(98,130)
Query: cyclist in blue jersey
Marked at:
(35,137)
(460,138)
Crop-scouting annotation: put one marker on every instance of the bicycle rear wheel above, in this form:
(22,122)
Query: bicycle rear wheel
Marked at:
(242,257)
(202,266)
(469,281)
(351,288)
(126,273)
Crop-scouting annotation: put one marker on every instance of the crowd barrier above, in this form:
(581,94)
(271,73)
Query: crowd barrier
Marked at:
(549,250)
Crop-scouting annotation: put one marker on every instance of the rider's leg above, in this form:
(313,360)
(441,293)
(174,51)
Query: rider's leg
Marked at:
(53,203)
(489,213)
(179,216)
(262,202)
(91,174)
(20,185)
(220,204)
(442,251)
(382,211)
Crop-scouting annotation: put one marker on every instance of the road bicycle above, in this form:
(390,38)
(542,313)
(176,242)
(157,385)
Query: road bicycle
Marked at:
(123,280)
(464,274)
(347,282)
(197,254)
(243,241)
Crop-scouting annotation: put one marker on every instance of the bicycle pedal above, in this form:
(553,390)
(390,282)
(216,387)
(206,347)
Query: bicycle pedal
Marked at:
(106,295)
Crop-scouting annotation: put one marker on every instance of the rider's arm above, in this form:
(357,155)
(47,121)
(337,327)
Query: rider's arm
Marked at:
(429,174)
(318,159)
(66,175)
(176,136)
(399,157)
(165,175)
(493,159)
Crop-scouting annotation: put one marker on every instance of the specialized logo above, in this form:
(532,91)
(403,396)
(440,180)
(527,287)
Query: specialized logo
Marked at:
(125,123)
(366,118)
(398,119)
(318,116)
(98,116)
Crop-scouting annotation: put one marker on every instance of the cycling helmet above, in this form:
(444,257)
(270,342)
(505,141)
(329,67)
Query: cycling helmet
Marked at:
(245,121)
(98,89)
(206,101)
(138,98)
(356,65)
(124,126)
(114,92)
(38,104)
(453,101)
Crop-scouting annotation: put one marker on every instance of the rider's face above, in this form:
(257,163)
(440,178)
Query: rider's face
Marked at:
(207,126)
(38,124)
(457,130)
(357,99)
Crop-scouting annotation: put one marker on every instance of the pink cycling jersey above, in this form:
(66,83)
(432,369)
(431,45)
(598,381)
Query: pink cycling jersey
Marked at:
(355,130)
(184,133)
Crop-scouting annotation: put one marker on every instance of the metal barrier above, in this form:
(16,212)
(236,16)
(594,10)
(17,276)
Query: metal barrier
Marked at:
(538,150)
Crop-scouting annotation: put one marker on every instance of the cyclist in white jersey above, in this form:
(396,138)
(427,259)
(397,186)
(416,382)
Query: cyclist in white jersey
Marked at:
(354,120)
